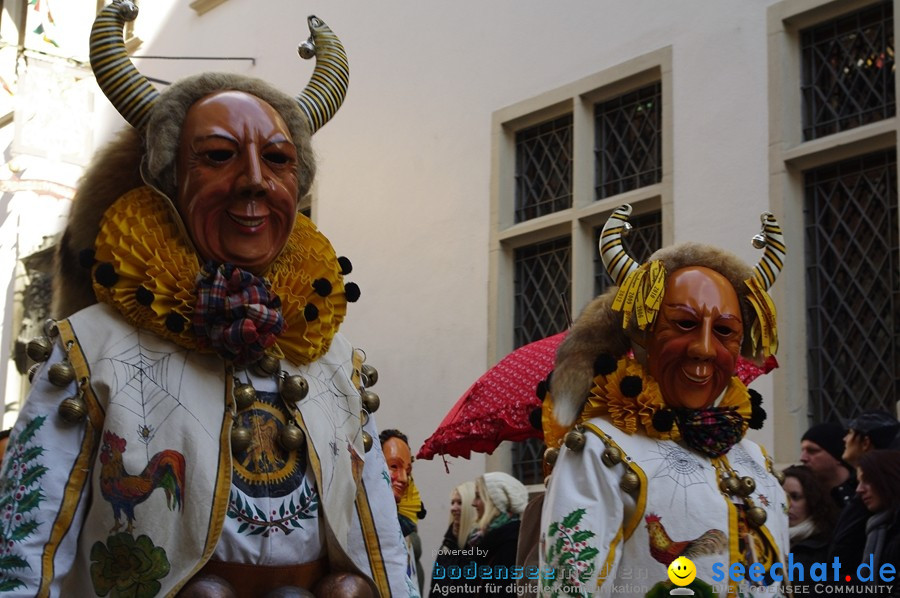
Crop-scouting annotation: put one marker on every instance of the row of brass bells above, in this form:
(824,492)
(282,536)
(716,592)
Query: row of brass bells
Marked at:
(735,486)
(291,438)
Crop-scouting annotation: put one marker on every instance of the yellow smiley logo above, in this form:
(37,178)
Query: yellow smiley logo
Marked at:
(682,571)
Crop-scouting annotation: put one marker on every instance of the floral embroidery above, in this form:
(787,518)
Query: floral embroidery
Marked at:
(288,517)
(20,495)
(571,555)
(128,567)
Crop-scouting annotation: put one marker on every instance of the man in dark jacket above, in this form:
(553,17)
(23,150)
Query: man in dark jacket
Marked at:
(871,430)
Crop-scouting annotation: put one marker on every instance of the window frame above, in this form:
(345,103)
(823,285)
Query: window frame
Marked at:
(789,158)
(578,222)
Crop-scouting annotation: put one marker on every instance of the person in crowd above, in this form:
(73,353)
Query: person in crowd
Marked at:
(871,430)
(410,509)
(811,515)
(646,420)
(878,472)
(4,440)
(821,448)
(452,553)
(197,424)
(499,502)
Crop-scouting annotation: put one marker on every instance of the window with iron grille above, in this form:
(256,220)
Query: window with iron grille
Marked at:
(853,286)
(644,238)
(628,152)
(544,169)
(848,71)
(542,296)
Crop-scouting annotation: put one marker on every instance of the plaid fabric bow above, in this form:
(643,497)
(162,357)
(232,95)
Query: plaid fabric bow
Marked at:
(236,313)
(711,431)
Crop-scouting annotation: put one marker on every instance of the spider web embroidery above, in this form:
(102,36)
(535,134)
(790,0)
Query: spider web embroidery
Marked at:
(147,382)
(329,380)
(738,456)
(680,466)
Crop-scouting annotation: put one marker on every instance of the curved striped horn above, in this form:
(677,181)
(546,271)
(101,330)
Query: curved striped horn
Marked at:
(772,261)
(327,87)
(125,87)
(617,261)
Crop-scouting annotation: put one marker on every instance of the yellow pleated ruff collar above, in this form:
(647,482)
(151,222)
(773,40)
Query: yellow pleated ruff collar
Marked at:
(633,413)
(148,271)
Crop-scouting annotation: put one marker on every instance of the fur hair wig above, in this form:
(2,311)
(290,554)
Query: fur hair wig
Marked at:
(129,161)
(598,330)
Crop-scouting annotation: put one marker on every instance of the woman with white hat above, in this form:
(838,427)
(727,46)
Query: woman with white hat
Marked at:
(499,501)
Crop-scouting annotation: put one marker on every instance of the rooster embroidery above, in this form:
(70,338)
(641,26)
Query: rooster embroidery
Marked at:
(124,491)
(665,550)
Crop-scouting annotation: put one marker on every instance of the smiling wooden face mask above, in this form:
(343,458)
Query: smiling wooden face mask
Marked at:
(694,346)
(237,180)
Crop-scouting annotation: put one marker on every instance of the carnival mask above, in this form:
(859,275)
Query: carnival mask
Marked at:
(695,343)
(237,180)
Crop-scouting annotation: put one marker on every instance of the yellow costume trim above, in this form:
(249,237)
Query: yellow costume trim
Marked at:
(630,414)
(641,502)
(79,477)
(641,294)
(141,237)
(410,503)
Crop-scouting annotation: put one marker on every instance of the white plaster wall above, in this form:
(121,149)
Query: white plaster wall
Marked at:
(404,168)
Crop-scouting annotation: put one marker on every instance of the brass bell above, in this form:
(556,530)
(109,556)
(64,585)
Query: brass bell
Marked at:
(611,456)
(244,395)
(306,49)
(630,482)
(32,371)
(73,409)
(747,486)
(61,374)
(550,456)
(575,439)
(267,365)
(732,485)
(291,437)
(39,348)
(240,439)
(50,328)
(370,401)
(367,441)
(779,475)
(758,241)
(370,373)
(757,516)
(294,388)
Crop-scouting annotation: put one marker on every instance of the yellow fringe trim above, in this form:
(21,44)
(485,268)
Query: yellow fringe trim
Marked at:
(641,295)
